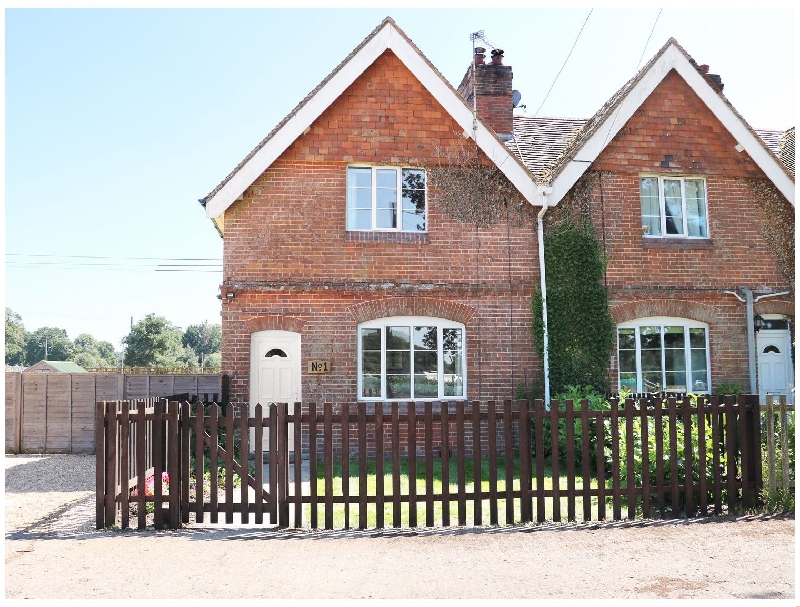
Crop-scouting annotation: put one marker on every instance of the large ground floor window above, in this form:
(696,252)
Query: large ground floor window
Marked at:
(411,358)
(661,354)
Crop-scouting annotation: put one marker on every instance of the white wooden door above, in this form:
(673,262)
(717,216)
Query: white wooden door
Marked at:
(274,372)
(775,372)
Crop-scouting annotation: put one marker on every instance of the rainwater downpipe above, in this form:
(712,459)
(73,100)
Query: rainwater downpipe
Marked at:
(544,191)
(751,339)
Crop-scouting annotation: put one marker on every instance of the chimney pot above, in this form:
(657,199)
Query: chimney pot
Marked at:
(479,55)
(704,68)
(497,56)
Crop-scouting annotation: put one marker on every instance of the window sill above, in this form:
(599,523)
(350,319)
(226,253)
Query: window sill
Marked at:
(405,237)
(676,243)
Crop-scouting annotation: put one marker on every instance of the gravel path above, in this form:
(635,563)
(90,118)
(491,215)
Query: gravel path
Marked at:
(53,551)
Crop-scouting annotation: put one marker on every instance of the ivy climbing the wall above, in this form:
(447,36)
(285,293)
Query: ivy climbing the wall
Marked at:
(580,327)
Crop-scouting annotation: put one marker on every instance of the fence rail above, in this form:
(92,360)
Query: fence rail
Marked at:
(411,465)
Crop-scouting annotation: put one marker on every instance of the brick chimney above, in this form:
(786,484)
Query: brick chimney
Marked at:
(495,98)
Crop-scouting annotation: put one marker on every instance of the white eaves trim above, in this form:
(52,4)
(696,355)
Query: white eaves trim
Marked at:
(388,37)
(672,58)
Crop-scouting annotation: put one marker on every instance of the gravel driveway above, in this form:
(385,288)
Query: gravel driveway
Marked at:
(53,551)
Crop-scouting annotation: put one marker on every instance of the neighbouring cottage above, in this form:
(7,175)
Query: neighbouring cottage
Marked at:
(349,275)
(55,366)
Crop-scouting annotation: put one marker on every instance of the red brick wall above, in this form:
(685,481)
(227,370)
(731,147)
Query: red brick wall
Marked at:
(677,277)
(296,268)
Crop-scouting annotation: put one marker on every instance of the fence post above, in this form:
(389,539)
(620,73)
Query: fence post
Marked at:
(784,444)
(110,466)
(100,463)
(771,444)
(524,462)
(173,465)
(283,467)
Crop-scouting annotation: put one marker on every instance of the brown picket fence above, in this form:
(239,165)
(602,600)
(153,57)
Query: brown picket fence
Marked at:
(303,465)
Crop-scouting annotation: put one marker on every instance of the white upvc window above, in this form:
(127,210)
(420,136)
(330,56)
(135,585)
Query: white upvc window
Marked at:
(663,354)
(386,198)
(411,358)
(673,206)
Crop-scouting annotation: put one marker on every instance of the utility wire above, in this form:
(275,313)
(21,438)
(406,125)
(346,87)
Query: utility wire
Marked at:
(565,63)
(644,50)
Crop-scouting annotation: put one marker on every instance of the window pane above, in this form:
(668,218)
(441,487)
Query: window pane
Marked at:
(371,362)
(673,206)
(650,337)
(700,381)
(699,362)
(371,386)
(452,339)
(370,339)
(451,363)
(674,360)
(627,361)
(386,178)
(386,199)
(426,362)
(359,177)
(398,386)
(359,199)
(628,381)
(360,219)
(651,218)
(696,220)
(426,385)
(397,338)
(676,382)
(454,385)
(627,339)
(386,218)
(398,362)
(651,382)
(651,361)
(425,338)
(673,337)
(697,338)
(413,222)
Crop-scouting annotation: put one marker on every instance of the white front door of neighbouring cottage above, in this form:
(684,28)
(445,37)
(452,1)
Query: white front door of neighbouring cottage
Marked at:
(775,372)
(274,372)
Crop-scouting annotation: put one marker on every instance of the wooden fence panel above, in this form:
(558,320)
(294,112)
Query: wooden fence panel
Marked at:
(34,413)
(58,402)
(13,393)
(84,398)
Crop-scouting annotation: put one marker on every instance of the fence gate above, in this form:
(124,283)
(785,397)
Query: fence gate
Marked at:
(167,462)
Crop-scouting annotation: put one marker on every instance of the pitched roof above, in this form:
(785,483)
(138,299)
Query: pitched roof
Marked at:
(386,36)
(540,141)
(60,366)
(588,142)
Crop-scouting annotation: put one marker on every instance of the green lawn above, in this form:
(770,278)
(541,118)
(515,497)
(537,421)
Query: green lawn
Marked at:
(372,482)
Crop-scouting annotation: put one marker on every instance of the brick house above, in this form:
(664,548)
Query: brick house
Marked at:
(348,278)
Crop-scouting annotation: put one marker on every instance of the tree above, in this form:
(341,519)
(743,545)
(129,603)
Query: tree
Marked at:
(204,340)
(91,353)
(15,338)
(48,343)
(154,342)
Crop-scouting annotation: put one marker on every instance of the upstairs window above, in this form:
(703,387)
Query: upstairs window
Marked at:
(674,207)
(386,198)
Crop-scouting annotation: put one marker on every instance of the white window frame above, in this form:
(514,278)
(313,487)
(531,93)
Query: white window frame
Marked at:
(399,189)
(661,206)
(412,321)
(666,321)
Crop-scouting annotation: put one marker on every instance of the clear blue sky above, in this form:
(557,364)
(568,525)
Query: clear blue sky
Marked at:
(117,121)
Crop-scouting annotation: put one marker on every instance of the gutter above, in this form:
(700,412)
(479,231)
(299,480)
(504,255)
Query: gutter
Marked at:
(544,191)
